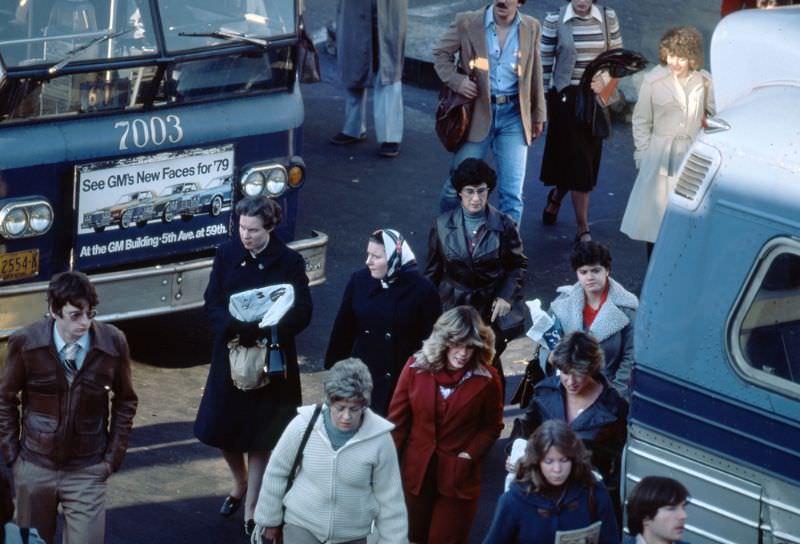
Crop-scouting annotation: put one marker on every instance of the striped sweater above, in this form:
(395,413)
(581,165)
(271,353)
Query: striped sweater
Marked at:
(336,494)
(589,37)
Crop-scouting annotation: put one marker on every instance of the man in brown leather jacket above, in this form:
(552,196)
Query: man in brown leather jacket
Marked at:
(63,449)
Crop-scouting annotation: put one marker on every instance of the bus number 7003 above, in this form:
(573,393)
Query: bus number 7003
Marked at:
(143,132)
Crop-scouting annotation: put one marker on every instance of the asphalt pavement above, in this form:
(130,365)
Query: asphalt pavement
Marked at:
(171,486)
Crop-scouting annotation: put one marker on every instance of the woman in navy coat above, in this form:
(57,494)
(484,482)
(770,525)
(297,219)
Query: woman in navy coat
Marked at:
(554,490)
(251,422)
(582,396)
(387,310)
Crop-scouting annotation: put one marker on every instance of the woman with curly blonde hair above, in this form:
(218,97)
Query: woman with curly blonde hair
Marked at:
(448,411)
(554,490)
(674,99)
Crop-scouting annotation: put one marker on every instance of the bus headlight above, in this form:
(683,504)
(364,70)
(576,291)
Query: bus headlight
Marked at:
(23,219)
(270,180)
(40,218)
(253,183)
(15,221)
(276,182)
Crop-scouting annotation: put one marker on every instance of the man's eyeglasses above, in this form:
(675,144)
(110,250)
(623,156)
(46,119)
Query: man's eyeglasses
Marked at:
(76,315)
(470,192)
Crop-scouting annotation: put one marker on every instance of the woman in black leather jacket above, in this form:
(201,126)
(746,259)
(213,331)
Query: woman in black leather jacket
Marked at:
(475,256)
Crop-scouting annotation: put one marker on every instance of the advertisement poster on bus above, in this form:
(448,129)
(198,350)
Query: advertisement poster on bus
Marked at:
(147,207)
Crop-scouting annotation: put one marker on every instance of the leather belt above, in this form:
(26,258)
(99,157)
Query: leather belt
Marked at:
(501,99)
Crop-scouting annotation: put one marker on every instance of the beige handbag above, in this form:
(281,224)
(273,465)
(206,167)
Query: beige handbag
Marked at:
(248,365)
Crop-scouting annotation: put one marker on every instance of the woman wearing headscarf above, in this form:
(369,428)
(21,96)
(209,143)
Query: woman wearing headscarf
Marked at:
(572,38)
(674,99)
(448,411)
(387,310)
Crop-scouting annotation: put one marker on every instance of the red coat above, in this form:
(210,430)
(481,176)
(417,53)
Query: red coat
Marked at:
(473,422)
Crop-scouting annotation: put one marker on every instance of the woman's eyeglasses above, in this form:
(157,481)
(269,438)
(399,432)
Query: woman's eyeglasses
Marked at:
(354,410)
(470,192)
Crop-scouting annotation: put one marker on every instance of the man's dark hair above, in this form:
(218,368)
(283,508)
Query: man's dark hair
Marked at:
(650,494)
(473,172)
(71,287)
(262,207)
(588,253)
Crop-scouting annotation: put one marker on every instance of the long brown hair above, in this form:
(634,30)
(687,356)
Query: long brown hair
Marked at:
(458,326)
(554,433)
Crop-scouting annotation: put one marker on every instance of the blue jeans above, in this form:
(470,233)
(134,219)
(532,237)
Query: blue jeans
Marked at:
(506,139)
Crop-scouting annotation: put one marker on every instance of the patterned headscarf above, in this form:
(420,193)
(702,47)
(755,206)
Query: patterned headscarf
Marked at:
(399,256)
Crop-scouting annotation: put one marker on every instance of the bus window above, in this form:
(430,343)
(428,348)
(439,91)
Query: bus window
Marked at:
(37,32)
(188,24)
(767,325)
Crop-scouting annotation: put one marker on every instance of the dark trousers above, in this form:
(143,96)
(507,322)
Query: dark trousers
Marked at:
(436,519)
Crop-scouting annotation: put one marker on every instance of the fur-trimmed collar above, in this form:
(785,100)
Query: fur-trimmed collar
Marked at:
(568,307)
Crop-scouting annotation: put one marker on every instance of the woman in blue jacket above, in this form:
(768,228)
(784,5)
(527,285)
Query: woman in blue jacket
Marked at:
(554,490)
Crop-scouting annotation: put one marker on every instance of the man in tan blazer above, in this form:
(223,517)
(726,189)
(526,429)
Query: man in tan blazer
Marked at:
(499,46)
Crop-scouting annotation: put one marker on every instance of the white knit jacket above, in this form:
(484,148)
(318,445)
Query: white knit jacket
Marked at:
(336,495)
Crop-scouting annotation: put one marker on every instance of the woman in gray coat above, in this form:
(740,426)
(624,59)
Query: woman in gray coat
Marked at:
(370,40)
(600,306)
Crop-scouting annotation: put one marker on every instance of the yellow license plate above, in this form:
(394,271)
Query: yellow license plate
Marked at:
(19,264)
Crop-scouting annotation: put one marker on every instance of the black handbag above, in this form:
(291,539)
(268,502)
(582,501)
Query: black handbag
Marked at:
(307,58)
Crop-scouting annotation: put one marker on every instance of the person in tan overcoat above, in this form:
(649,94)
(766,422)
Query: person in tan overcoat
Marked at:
(674,99)
(499,47)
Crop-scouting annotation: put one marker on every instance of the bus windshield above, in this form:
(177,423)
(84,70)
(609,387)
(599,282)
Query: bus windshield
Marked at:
(36,32)
(200,23)
(65,43)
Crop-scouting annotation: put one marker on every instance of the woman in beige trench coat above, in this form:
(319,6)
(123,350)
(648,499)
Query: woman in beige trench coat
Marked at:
(673,100)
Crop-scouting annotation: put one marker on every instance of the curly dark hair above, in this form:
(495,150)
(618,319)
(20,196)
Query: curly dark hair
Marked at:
(554,433)
(262,207)
(71,287)
(473,172)
(685,42)
(650,494)
(588,253)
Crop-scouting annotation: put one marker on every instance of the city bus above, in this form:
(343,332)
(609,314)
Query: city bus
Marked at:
(716,384)
(129,129)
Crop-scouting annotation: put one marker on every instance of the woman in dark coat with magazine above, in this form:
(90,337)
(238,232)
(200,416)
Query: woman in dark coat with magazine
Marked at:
(251,422)
(554,490)
(387,310)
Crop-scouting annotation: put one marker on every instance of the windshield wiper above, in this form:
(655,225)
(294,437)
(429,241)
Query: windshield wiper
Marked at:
(70,55)
(228,35)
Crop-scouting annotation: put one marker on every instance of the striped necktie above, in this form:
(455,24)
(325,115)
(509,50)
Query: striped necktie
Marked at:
(70,352)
